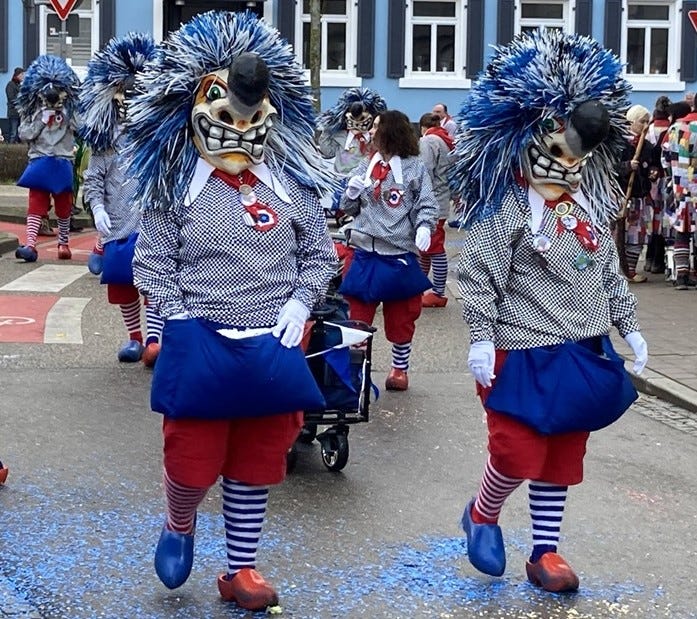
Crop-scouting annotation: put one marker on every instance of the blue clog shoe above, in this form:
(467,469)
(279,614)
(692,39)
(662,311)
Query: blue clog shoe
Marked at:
(131,352)
(174,557)
(26,253)
(485,548)
(95,263)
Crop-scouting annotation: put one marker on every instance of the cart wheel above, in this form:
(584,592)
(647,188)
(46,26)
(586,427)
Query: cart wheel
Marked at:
(335,452)
(308,433)
(291,459)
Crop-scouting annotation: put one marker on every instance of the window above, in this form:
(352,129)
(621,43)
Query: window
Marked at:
(434,41)
(650,47)
(81,38)
(534,14)
(338,36)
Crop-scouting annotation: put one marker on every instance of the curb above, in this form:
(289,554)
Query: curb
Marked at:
(8,242)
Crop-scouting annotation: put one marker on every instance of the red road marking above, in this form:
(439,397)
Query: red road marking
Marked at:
(23,317)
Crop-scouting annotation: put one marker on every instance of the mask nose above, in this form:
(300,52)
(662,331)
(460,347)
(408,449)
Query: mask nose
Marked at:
(591,122)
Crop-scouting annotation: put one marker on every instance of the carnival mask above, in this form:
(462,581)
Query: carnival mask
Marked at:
(232,114)
(52,98)
(358,119)
(553,162)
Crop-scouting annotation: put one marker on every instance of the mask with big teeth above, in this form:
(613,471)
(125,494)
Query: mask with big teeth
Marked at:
(358,118)
(553,162)
(232,114)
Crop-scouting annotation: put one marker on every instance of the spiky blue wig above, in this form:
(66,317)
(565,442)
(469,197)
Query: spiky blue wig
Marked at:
(46,70)
(334,119)
(161,150)
(539,76)
(109,71)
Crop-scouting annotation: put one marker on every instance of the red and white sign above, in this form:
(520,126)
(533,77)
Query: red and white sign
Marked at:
(63,7)
(692,16)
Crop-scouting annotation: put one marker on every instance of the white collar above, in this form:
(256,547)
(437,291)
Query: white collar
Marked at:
(395,165)
(537,206)
(204,170)
(350,137)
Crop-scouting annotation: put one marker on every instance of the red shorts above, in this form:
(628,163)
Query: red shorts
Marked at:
(121,294)
(520,452)
(437,245)
(40,203)
(252,451)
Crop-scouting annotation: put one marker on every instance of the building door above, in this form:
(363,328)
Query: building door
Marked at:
(177,12)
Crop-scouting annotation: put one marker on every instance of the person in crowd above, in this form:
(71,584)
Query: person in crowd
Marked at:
(681,148)
(690,99)
(636,165)
(110,77)
(11,92)
(446,120)
(435,146)
(47,104)
(345,133)
(540,280)
(233,252)
(395,212)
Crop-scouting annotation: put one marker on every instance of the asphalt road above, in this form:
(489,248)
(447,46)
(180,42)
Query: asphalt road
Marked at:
(83,506)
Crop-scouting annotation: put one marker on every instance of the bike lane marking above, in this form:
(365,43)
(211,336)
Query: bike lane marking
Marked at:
(64,321)
(47,278)
(23,318)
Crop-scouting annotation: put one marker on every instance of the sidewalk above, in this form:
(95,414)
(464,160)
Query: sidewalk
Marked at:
(666,315)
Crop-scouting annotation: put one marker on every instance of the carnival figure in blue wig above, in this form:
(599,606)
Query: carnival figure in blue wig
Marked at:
(233,253)
(109,191)
(345,132)
(47,105)
(539,139)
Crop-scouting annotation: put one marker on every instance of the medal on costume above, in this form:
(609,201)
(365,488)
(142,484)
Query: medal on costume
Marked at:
(257,215)
(393,197)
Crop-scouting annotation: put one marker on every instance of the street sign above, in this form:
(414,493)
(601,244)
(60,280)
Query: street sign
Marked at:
(692,16)
(63,7)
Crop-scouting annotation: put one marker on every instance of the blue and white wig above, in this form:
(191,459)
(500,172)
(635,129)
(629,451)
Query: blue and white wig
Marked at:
(333,120)
(110,71)
(530,84)
(45,72)
(161,150)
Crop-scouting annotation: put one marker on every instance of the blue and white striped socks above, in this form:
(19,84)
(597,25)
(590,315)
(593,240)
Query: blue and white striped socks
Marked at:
(244,510)
(546,510)
(400,356)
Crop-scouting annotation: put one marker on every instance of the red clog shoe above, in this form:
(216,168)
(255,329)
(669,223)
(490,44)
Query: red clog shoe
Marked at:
(552,573)
(64,252)
(3,473)
(150,354)
(397,380)
(431,299)
(247,589)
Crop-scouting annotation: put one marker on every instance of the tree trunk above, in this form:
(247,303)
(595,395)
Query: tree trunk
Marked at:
(315,58)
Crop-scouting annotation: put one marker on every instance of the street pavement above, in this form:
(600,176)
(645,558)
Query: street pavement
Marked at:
(83,505)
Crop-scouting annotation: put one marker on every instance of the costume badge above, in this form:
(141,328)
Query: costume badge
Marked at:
(393,197)
(260,217)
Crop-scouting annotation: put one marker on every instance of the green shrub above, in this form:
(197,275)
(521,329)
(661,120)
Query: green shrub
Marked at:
(13,160)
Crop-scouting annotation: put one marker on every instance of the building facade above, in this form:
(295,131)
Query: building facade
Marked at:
(415,53)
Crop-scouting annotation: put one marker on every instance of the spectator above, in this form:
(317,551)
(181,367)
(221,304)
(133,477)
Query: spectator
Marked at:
(446,120)
(690,98)
(11,92)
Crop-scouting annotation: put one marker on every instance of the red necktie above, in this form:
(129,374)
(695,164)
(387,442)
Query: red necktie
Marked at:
(379,173)
(584,231)
(246,177)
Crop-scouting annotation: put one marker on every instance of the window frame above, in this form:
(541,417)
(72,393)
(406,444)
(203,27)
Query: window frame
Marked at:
(669,82)
(437,79)
(92,14)
(567,20)
(347,77)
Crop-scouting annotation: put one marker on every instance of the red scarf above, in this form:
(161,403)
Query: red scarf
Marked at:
(584,231)
(442,134)
(246,177)
(379,173)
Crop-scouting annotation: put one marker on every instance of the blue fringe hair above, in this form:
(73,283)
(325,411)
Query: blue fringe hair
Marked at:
(160,149)
(47,69)
(107,73)
(540,75)
(333,120)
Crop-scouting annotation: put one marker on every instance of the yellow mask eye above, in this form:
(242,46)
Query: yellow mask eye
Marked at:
(215,92)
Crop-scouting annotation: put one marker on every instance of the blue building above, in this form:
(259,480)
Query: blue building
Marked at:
(415,53)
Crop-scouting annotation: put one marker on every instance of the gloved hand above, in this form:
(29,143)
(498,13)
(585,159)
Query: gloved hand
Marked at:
(101,219)
(354,187)
(481,362)
(423,238)
(291,323)
(180,316)
(640,349)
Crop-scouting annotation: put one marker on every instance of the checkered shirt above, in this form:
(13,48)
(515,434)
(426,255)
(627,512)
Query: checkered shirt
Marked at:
(386,229)
(203,259)
(517,301)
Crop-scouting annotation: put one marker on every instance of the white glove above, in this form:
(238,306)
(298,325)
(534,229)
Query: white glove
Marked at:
(47,115)
(291,323)
(423,237)
(354,187)
(640,349)
(101,219)
(481,362)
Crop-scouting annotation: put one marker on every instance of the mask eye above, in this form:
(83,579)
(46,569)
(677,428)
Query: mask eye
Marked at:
(215,92)
(550,125)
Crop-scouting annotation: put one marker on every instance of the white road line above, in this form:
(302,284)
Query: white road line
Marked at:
(64,321)
(47,278)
